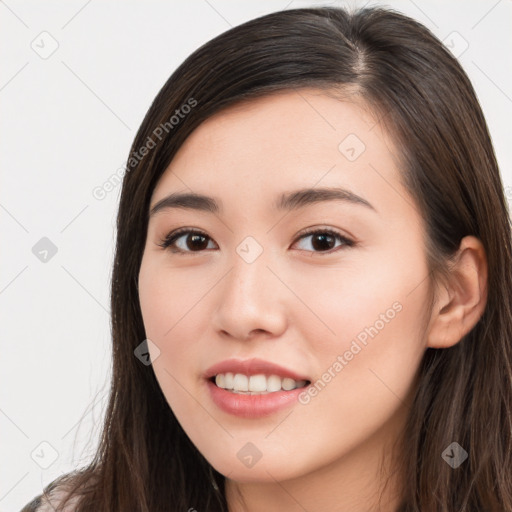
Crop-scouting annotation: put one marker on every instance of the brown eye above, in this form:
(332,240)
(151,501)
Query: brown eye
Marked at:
(194,241)
(324,240)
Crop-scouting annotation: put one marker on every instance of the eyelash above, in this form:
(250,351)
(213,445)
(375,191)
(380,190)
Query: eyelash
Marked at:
(168,241)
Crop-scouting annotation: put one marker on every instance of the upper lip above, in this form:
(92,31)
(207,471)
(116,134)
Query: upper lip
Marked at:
(253,366)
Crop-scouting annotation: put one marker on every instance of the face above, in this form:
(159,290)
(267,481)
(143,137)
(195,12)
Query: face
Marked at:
(309,306)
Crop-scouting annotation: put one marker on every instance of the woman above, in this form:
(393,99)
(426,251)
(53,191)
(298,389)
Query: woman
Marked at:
(355,355)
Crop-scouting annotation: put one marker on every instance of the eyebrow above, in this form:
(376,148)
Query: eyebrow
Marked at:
(286,202)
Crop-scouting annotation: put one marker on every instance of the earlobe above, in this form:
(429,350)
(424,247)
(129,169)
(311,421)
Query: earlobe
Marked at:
(461,303)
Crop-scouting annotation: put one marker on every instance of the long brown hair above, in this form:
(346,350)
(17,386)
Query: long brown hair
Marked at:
(424,99)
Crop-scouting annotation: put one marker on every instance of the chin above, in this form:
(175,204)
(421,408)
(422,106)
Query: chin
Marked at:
(264,470)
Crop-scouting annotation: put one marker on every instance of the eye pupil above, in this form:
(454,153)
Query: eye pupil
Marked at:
(323,238)
(194,239)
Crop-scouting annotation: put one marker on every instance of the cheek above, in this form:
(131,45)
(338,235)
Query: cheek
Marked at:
(172,305)
(168,299)
(377,300)
(167,318)
(364,377)
(370,341)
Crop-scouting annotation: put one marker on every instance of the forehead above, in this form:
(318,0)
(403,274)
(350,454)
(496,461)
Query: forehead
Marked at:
(299,122)
(283,141)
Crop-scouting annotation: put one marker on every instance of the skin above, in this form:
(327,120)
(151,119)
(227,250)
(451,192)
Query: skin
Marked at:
(299,305)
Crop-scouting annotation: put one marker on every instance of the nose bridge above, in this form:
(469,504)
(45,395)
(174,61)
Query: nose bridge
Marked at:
(249,298)
(249,280)
(250,272)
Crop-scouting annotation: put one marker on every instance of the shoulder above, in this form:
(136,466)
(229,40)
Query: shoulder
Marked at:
(50,499)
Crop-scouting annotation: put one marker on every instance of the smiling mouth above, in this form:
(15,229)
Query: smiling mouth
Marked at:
(259,384)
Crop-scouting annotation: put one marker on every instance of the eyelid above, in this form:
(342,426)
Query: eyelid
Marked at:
(324,228)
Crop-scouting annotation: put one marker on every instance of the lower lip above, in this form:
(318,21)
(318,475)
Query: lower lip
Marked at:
(252,406)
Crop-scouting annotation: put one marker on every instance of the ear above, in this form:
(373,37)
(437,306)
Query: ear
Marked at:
(461,302)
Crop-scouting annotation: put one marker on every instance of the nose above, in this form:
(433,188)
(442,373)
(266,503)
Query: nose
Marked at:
(251,302)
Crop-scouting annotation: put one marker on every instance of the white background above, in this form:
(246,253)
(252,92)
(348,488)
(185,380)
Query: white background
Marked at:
(67,123)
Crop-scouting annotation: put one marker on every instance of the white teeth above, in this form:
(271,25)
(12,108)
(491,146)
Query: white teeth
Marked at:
(288,384)
(220,380)
(256,384)
(228,380)
(273,383)
(241,382)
